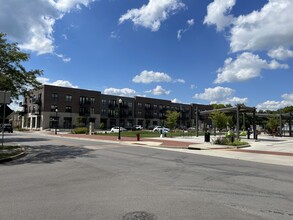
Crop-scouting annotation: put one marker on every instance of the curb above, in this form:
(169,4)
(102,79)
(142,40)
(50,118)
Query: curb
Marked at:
(15,157)
(225,147)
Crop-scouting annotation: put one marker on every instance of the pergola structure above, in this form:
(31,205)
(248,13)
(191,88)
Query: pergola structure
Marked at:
(281,116)
(246,110)
(237,109)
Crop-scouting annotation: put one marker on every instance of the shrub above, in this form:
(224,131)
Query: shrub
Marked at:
(221,141)
(227,141)
(80,130)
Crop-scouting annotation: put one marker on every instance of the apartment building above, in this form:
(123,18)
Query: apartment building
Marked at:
(66,108)
(54,106)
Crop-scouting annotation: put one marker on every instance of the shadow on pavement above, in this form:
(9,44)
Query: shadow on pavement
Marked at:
(13,139)
(50,154)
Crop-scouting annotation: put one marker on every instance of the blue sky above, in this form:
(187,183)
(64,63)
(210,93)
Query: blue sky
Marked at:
(189,51)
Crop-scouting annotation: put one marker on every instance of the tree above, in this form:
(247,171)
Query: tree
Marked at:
(13,75)
(172,117)
(219,120)
(219,106)
(273,123)
(287,109)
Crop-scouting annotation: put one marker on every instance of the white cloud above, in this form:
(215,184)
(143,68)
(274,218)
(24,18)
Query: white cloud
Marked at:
(218,13)
(153,14)
(159,91)
(288,97)
(214,94)
(175,100)
(62,83)
(275,105)
(280,53)
(190,23)
(246,66)
(269,28)
(64,59)
(179,81)
(15,106)
(114,35)
(151,76)
(120,92)
(219,94)
(68,5)
(192,86)
(32,22)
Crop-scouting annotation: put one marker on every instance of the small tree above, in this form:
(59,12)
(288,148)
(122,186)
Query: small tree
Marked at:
(273,123)
(172,117)
(219,120)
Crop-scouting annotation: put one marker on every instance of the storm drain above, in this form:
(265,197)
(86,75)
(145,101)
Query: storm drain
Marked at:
(139,216)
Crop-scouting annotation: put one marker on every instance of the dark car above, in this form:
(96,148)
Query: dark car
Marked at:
(7,127)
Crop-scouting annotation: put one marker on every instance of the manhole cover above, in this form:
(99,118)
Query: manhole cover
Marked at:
(139,216)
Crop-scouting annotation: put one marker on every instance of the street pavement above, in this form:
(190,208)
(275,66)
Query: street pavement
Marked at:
(78,178)
(266,149)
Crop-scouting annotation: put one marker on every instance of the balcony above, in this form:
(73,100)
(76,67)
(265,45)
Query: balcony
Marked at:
(37,101)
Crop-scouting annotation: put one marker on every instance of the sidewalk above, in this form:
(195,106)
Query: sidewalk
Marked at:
(267,149)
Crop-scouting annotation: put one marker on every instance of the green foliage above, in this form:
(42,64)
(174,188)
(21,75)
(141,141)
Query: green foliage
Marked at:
(14,76)
(287,109)
(80,130)
(227,141)
(230,134)
(219,106)
(102,125)
(273,123)
(243,133)
(219,119)
(172,117)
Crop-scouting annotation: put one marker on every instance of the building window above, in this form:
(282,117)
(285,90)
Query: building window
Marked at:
(68,109)
(54,97)
(104,112)
(82,100)
(139,114)
(155,106)
(53,108)
(68,98)
(93,100)
(139,105)
(92,111)
(147,106)
(104,102)
(130,104)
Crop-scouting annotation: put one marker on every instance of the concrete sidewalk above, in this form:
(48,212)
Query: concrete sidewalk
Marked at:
(267,149)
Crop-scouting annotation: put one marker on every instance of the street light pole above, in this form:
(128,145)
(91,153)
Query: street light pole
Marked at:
(120,102)
(56,121)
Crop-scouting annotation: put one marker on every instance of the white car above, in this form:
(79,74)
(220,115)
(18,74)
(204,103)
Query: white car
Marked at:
(160,128)
(138,127)
(116,129)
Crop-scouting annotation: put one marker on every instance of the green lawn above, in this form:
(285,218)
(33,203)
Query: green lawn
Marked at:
(149,134)
(9,151)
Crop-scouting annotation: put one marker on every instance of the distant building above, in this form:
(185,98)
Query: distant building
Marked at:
(66,108)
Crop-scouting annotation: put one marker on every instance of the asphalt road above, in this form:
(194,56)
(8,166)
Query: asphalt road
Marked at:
(76,179)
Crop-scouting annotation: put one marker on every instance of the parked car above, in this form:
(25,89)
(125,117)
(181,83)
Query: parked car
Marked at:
(136,127)
(116,129)
(161,129)
(7,127)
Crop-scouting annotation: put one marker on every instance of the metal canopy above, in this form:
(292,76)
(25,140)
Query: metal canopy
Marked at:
(238,109)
